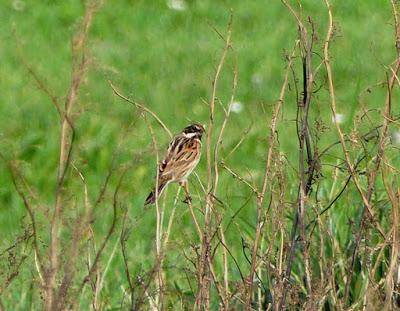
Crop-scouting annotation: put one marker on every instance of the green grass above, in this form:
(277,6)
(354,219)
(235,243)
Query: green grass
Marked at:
(166,59)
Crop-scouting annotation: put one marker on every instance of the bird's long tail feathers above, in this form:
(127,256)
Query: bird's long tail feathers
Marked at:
(152,196)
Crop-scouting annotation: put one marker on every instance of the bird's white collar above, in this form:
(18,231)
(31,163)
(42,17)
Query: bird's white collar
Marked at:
(190,135)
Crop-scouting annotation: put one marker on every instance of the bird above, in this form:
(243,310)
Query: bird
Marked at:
(182,157)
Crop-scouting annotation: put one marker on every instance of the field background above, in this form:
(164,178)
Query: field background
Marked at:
(164,55)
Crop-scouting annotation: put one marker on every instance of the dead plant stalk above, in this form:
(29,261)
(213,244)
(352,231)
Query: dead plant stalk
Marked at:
(267,171)
(79,66)
(203,297)
(366,197)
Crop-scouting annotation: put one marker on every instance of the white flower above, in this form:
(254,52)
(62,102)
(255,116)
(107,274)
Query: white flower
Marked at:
(177,5)
(236,107)
(396,138)
(257,78)
(339,118)
(18,5)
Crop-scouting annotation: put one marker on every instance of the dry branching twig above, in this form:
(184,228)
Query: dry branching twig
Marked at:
(205,265)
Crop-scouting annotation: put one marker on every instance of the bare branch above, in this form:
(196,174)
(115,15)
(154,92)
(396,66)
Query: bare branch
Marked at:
(142,107)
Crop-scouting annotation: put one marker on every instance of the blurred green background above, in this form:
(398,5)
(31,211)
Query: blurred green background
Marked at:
(164,54)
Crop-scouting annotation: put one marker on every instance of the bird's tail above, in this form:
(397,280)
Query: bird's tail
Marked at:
(151,198)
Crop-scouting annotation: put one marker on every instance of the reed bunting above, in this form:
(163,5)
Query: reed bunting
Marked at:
(182,157)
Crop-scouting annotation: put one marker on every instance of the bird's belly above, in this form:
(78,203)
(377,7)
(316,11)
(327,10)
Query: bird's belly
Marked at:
(184,175)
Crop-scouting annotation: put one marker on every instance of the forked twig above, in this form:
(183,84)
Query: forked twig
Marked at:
(142,107)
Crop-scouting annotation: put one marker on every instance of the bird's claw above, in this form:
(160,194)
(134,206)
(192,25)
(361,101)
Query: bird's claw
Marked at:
(188,199)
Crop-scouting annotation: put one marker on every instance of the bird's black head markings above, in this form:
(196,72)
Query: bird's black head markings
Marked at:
(194,130)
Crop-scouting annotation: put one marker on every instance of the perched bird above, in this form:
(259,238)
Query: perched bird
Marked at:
(182,157)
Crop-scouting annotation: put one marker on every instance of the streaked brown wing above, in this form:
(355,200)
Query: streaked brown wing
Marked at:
(183,154)
(174,146)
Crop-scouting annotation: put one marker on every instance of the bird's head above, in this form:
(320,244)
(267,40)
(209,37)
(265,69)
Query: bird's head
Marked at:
(194,130)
